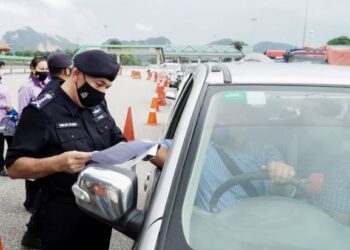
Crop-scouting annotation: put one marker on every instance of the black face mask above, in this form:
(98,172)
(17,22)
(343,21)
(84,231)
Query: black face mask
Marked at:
(41,75)
(88,96)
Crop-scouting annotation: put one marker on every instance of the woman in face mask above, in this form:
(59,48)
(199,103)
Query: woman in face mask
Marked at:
(38,78)
(5,108)
(28,91)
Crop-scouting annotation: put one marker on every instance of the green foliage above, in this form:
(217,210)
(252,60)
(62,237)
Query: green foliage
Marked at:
(28,53)
(341,40)
(240,42)
(114,42)
(129,60)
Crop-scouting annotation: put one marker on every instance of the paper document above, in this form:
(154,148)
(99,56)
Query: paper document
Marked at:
(125,151)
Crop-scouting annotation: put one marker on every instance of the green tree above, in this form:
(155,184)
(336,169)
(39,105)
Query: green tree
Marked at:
(341,40)
(114,42)
(24,53)
(129,60)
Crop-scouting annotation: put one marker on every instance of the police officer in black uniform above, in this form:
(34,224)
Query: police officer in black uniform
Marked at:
(53,143)
(59,65)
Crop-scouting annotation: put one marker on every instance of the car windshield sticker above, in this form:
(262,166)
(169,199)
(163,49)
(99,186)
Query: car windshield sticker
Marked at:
(256,98)
(235,96)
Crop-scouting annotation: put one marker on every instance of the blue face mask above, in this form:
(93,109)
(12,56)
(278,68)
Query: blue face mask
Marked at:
(88,96)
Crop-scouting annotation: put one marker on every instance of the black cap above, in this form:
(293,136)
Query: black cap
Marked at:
(59,60)
(2,63)
(97,63)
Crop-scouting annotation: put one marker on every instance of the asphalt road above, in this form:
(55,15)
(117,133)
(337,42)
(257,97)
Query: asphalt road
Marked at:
(125,92)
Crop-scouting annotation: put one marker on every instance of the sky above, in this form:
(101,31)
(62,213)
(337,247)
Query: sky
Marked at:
(196,22)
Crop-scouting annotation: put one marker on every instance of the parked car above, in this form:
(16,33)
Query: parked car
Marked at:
(302,111)
(155,68)
(174,72)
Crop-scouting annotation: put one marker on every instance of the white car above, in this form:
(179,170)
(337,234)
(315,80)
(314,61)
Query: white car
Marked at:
(299,113)
(174,72)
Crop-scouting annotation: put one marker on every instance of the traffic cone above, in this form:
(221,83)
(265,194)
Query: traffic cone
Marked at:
(1,246)
(129,127)
(152,118)
(155,103)
(161,96)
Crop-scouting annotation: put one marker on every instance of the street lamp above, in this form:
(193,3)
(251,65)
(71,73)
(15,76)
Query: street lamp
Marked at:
(305,20)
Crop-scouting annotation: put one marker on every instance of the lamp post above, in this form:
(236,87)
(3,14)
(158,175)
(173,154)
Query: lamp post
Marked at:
(305,20)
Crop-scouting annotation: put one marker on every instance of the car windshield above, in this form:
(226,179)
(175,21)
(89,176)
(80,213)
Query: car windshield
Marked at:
(230,203)
(318,59)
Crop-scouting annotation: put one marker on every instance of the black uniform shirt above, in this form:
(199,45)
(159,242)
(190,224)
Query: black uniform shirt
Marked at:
(55,81)
(53,124)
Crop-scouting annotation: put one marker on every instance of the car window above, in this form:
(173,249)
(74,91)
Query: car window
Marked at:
(178,107)
(230,203)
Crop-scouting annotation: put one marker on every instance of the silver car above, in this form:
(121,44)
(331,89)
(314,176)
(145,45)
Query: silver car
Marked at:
(228,123)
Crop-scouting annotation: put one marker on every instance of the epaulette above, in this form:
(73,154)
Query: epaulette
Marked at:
(42,100)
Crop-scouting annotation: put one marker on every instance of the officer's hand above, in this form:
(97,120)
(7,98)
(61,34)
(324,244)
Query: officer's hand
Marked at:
(73,161)
(280,172)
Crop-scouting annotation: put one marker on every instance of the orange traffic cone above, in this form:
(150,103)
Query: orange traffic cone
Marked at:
(155,103)
(161,96)
(129,127)
(152,118)
(1,246)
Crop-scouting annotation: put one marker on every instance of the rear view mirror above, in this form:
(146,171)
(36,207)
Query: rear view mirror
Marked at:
(109,193)
(106,193)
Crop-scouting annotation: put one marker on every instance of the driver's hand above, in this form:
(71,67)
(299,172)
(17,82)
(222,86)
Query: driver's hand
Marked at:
(280,172)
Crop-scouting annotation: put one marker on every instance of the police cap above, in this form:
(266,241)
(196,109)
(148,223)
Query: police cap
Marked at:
(59,60)
(97,63)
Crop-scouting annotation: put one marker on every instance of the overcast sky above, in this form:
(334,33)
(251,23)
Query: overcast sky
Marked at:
(182,21)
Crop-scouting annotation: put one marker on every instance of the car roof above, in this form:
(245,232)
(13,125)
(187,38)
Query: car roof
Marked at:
(278,73)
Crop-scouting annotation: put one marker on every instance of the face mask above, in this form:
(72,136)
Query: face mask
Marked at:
(41,75)
(88,96)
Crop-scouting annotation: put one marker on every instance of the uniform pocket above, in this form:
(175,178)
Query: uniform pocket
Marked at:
(69,137)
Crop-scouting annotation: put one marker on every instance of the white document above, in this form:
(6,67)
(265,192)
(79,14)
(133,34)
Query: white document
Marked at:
(125,151)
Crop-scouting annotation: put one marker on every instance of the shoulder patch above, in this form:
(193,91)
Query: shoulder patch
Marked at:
(42,100)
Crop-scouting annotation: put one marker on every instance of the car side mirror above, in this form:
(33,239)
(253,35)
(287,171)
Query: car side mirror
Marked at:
(109,193)
(170,95)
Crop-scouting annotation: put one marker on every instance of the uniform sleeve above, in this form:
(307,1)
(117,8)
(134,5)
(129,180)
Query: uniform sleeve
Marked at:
(30,138)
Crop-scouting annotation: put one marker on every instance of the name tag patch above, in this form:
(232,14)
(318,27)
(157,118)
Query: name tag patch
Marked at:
(67,125)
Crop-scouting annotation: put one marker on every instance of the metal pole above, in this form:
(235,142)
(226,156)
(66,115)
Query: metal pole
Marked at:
(305,21)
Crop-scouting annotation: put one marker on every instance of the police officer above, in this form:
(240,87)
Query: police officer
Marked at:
(59,65)
(53,142)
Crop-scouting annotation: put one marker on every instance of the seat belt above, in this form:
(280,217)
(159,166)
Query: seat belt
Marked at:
(231,165)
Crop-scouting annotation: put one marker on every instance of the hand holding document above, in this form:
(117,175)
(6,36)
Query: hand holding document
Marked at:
(125,151)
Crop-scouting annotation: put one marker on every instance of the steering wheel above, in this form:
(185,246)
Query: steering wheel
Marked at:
(257,175)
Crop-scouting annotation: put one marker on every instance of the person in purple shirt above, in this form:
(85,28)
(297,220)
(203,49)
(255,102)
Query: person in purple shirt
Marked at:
(38,78)
(5,108)
(28,91)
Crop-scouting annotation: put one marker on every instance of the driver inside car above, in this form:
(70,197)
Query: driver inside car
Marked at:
(247,157)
